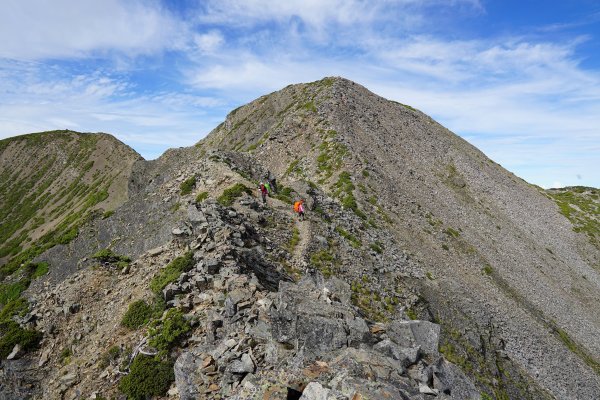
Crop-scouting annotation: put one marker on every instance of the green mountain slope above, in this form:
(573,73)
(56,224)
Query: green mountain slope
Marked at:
(581,205)
(52,181)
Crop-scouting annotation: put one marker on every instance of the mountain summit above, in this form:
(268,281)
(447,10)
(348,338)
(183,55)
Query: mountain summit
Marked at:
(422,268)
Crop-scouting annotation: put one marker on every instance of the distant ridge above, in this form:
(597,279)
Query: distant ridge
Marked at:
(50,182)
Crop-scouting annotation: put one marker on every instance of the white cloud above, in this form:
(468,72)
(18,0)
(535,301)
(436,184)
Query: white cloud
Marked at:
(209,42)
(316,12)
(40,29)
(98,102)
(312,12)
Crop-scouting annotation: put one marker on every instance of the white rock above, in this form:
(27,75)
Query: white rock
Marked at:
(16,352)
(427,390)
(315,391)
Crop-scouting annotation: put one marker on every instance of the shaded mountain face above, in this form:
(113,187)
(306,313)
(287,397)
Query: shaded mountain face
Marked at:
(50,182)
(405,222)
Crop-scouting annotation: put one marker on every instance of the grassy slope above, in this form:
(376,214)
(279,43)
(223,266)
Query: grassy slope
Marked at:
(50,184)
(581,205)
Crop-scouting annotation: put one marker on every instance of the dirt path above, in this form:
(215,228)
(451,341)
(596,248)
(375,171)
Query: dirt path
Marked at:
(304,232)
(298,256)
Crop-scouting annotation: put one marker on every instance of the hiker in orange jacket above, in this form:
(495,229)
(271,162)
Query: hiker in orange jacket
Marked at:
(299,208)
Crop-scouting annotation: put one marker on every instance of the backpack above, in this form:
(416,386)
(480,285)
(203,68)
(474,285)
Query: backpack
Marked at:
(297,206)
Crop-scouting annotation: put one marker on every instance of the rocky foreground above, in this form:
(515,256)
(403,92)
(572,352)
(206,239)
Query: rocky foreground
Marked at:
(251,332)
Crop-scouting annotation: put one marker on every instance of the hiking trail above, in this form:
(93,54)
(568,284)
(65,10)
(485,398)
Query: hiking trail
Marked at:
(304,233)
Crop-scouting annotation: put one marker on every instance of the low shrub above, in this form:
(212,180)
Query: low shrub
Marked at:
(18,306)
(187,185)
(109,357)
(452,232)
(376,247)
(354,242)
(232,193)
(324,261)
(172,271)
(285,194)
(201,197)
(65,355)
(138,314)
(171,329)
(410,313)
(108,256)
(107,214)
(294,240)
(11,334)
(147,378)
(11,291)
(38,269)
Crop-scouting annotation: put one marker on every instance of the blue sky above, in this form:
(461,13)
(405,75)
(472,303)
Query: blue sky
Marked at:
(518,79)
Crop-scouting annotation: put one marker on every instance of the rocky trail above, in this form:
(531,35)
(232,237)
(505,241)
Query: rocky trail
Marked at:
(253,332)
(299,254)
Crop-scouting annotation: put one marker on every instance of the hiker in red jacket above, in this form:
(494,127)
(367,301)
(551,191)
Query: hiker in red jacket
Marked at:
(263,192)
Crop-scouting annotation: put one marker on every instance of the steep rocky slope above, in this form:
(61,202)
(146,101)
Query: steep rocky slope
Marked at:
(423,269)
(503,265)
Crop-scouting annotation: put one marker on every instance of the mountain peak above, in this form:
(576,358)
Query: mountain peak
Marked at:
(418,262)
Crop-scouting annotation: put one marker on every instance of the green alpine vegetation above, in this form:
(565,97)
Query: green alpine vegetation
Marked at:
(188,185)
(172,271)
(344,190)
(167,332)
(201,197)
(229,195)
(137,314)
(581,205)
(53,182)
(108,256)
(331,156)
(148,377)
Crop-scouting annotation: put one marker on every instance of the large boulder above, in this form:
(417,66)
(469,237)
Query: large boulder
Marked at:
(186,374)
(319,334)
(315,391)
(450,380)
(416,333)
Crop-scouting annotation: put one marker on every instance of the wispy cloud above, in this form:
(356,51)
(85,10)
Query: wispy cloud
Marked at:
(44,99)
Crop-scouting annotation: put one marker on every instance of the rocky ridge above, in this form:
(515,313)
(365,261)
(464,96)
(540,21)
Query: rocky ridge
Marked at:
(495,249)
(407,222)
